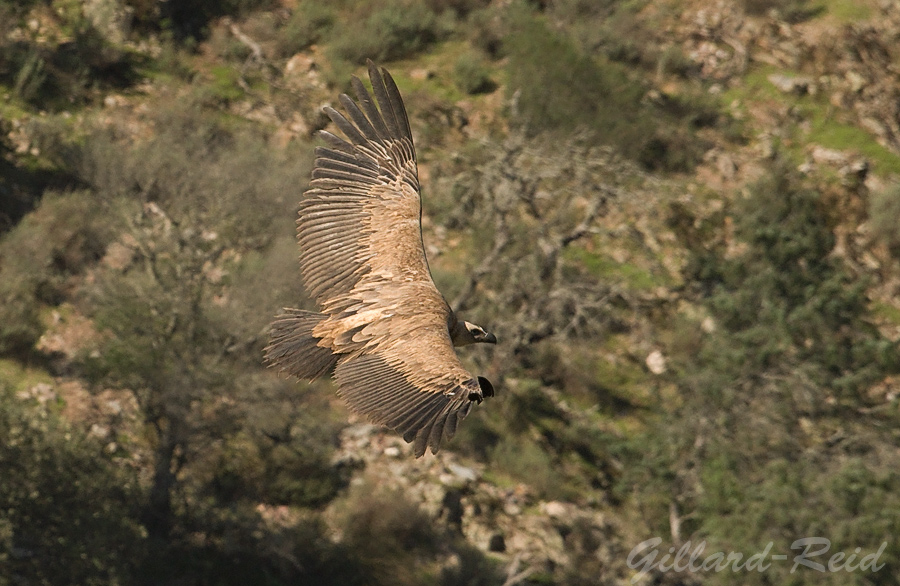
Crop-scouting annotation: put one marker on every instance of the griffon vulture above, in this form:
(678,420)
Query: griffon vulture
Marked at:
(382,324)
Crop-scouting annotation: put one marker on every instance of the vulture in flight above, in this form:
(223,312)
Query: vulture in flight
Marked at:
(382,325)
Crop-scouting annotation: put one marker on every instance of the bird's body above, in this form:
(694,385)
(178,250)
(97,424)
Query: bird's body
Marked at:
(382,324)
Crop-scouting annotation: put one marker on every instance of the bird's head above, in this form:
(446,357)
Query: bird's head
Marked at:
(466,333)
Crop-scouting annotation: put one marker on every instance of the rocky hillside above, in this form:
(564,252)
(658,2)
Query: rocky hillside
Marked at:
(679,218)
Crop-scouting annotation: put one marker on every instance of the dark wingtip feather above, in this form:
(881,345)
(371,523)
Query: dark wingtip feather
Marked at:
(384,101)
(336,142)
(396,102)
(360,119)
(349,130)
(365,102)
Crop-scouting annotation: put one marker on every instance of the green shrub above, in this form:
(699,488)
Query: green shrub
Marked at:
(487,27)
(391,31)
(782,500)
(610,28)
(309,22)
(287,467)
(254,544)
(558,89)
(226,46)
(399,543)
(296,443)
(759,7)
(673,61)
(224,88)
(390,535)
(788,294)
(31,77)
(527,462)
(471,75)
(197,169)
(64,70)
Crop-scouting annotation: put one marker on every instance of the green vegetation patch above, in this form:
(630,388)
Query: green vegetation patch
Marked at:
(472,75)
(792,11)
(755,85)
(825,126)
(886,312)
(225,85)
(309,23)
(627,274)
(21,378)
(386,31)
(829,132)
(559,89)
(846,11)
(884,216)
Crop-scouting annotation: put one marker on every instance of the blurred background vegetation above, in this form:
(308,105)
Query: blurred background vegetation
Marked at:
(680,218)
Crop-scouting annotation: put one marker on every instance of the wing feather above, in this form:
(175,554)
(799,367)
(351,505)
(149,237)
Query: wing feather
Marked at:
(453,420)
(336,141)
(351,176)
(424,436)
(340,248)
(327,154)
(415,385)
(362,188)
(342,278)
(323,188)
(339,215)
(384,102)
(359,119)
(396,102)
(350,131)
(322,217)
(365,101)
(321,271)
(405,414)
(435,432)
(347,167)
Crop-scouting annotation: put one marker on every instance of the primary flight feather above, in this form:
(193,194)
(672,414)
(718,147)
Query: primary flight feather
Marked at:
(382,324)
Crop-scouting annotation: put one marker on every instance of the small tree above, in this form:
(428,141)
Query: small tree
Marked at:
(183,323)
(529,216)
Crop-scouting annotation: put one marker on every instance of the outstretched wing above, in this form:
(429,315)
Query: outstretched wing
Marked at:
(361,216)
(416,386)
(363,261)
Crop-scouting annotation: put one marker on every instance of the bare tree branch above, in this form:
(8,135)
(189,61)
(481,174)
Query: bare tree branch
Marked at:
(514,575)
(256,53)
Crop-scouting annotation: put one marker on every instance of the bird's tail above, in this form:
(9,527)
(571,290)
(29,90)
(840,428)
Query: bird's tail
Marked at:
(293,348)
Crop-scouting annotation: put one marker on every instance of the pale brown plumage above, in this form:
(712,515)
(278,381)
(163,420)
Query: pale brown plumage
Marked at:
(383,325)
